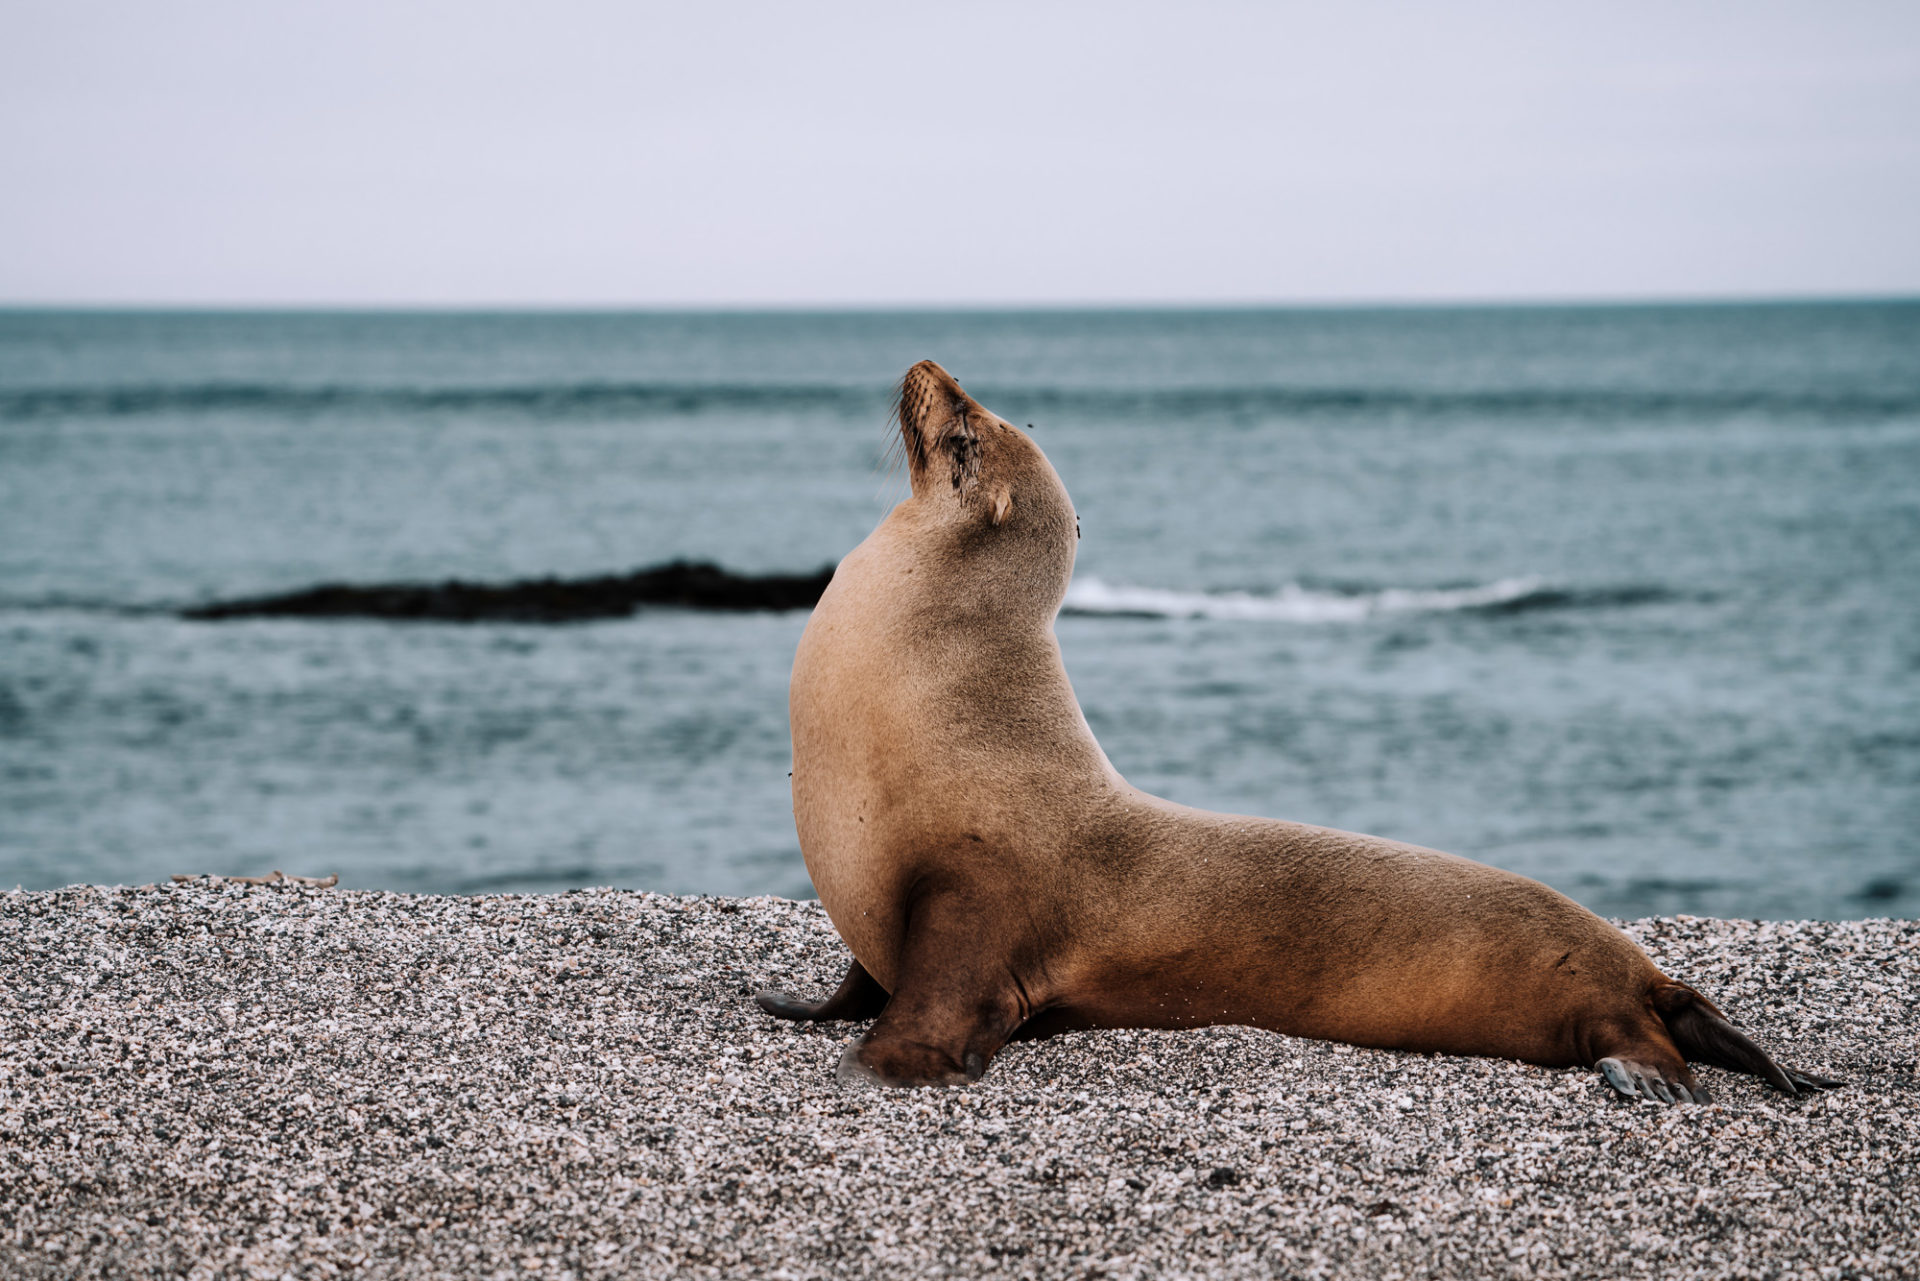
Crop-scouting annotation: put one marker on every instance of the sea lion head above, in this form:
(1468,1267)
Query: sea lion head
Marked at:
(984,481)
(969,460)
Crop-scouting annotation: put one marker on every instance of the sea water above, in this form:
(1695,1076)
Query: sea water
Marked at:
(1623,598)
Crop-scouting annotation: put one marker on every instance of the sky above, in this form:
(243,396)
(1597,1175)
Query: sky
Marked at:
(569,153)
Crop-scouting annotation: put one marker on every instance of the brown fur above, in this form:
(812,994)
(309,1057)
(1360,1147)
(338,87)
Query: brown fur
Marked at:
(991,870)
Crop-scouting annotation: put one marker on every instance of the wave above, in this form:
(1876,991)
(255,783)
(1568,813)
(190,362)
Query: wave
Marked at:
(1416,402)
(549,399)
(1296,604)
(599,399)
(64,602)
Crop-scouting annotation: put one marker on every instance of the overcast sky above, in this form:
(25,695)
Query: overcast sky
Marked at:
(630,154)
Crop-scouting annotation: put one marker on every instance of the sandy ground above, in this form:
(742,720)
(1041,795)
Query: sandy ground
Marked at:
(260,1081)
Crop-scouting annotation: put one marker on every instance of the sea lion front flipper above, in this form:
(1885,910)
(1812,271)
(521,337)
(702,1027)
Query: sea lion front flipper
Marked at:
(859,996)
(956,999)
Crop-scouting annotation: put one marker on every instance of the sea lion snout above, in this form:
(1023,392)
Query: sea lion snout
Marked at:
(940,427)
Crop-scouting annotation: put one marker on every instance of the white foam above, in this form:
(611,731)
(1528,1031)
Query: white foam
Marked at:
(1291,604)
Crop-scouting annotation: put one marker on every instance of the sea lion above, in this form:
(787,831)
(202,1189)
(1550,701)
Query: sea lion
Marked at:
(996,878)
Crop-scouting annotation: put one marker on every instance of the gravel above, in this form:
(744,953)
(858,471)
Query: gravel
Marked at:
(215,1079)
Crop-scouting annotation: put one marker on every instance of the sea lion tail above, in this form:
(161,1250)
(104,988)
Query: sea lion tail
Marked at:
(1703,1034)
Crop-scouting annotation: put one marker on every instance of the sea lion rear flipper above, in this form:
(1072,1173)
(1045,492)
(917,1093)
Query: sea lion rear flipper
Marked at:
(1705,1035)
(859,996)
(956,1000)
(1644,1077)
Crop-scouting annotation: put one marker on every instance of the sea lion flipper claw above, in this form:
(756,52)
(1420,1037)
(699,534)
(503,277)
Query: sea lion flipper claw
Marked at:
(1616,1074)
(1647,1073)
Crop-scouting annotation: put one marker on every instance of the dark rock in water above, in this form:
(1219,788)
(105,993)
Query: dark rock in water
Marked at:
(683,584)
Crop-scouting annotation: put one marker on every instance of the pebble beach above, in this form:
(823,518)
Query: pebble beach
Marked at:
(214,1079)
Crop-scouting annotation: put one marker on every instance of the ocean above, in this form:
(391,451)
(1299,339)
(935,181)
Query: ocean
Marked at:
(1623,598)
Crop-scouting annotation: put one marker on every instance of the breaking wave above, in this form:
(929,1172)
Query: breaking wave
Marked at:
(1296,604)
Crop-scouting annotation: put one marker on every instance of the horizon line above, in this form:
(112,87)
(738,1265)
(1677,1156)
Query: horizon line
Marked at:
(933,308)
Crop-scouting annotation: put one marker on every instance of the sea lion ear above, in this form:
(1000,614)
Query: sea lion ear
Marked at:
(1000,503)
